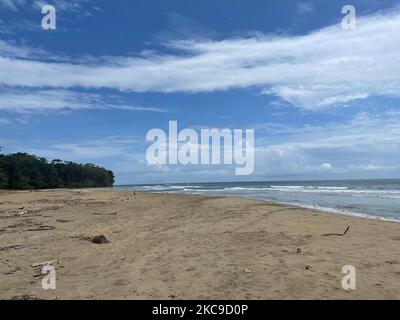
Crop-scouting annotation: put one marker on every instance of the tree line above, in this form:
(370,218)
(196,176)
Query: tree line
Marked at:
(22,171)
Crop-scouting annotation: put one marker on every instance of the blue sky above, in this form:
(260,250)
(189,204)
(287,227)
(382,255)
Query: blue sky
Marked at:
(324,102)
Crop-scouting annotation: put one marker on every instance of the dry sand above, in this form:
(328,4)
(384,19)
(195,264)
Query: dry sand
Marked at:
(165,246)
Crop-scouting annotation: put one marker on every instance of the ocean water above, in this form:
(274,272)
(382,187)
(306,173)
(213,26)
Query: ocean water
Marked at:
(379,199)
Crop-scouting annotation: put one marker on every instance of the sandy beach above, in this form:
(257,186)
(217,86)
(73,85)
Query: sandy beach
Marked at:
(165,246)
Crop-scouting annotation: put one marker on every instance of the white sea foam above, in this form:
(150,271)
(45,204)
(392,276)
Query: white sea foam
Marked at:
(340,211)
(376,201)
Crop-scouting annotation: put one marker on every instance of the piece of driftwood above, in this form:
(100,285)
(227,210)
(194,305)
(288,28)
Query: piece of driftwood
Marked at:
(338,234)
(44,263)
(14,215)
(38,267)
(42,228)
(15,246)
(24,297)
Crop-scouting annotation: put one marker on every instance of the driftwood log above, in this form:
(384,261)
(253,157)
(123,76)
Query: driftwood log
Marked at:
(42,228)
(338,234)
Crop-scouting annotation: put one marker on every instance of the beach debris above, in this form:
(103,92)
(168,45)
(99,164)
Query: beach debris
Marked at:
(15,246)
(338,234)
(24,297)
(44,263)
(37,267)
(99,239)
(104,214)
(247,270)
(16,214)
(42,228)
(298,250)
(308,267)
(63,220)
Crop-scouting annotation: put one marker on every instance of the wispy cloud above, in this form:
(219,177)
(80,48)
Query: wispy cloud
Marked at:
(14,50)
(325,68)
(90,149)
(77,9)
(62,5)
(33,101)
(305,7)
(365,143)
(12,4)
(182,27)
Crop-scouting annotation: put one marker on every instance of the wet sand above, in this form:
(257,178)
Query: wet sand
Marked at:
(165,246)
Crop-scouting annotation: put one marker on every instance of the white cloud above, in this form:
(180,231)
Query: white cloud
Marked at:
(363,145)
(30,101)
(326,166)
(182,27)
(372,167)
(325,68)
(113,146)
(62,5)
(12,4)
(305,7)
(12,50)
(98,9)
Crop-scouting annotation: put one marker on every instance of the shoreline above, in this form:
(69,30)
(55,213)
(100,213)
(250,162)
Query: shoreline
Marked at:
(370,198)
(294,205)
(329,210)
(174,246)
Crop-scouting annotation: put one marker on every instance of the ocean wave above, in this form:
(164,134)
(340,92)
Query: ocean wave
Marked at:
(245,188)
(337,190)
(310,187)
(346,191)
(376,203)
(342,211)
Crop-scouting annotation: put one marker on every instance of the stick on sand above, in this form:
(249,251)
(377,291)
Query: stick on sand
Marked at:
(338,234)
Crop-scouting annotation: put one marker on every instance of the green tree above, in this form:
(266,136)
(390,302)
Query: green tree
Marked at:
(25,171)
